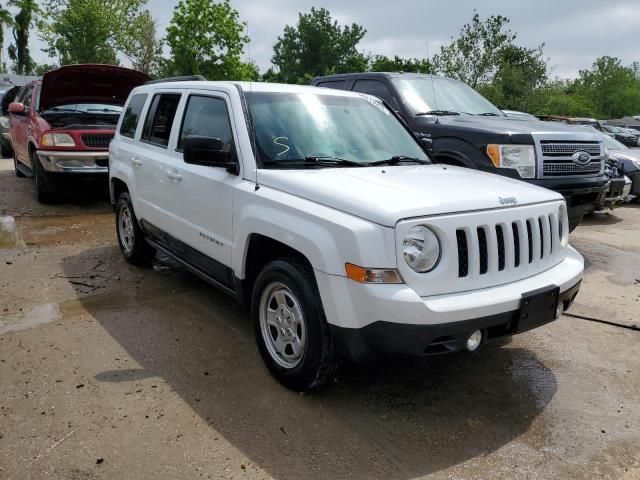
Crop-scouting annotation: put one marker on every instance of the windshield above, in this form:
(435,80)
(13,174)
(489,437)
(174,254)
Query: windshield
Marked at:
(86,108)
(293,127)
(433,94)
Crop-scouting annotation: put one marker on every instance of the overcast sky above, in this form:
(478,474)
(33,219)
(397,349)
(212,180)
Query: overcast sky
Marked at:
(574,32)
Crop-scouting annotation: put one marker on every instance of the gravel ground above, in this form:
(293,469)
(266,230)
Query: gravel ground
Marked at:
(110,371)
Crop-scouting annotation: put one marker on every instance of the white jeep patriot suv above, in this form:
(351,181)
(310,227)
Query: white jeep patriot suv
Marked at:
(322,211)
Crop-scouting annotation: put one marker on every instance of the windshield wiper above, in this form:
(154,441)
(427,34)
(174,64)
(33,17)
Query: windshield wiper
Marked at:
(332,161)
(437,112)
(102,110)
(314,161)
(400,159)
(62,109)
(488,114)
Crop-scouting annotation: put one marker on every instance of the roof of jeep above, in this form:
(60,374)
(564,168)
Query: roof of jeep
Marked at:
(244,86)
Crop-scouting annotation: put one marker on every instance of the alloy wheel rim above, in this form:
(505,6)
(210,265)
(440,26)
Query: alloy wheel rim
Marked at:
(126,231)
(282,325)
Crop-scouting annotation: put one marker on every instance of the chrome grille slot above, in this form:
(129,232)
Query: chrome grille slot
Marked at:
(484,254)
(567,149)
(501,253)
(463,253)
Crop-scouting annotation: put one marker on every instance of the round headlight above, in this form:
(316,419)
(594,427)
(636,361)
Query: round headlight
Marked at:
(421,249)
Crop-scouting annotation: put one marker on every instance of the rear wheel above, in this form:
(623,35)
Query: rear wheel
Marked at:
(133,246)
(46,187)
(290,326)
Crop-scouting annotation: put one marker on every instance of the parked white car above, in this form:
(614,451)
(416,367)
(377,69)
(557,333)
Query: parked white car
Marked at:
(323,212)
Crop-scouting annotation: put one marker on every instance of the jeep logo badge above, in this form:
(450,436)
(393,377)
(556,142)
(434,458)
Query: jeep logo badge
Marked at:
(581,158)
(508,200)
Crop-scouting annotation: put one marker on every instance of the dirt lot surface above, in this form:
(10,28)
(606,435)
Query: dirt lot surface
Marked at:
(109,371)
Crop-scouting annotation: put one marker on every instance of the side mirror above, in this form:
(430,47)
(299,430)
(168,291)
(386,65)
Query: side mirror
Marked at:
(208,151)
(17,108)
(427,142)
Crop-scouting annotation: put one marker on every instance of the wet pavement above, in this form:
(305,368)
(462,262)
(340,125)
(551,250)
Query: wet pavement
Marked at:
(111,371)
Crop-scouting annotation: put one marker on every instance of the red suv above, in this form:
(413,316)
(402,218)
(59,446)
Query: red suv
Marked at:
(61,126)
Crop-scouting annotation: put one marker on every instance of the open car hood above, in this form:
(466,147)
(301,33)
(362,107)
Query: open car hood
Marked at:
(88,83)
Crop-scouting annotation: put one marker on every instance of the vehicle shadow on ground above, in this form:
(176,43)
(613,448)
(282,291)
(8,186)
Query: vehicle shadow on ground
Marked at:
(394,419)
(601,218)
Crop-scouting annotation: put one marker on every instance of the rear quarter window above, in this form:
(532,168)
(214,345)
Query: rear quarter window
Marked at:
(337,84)
(132,115)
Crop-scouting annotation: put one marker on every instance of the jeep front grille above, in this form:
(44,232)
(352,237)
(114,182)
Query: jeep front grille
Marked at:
(97,140)
(525,241)
(557,158)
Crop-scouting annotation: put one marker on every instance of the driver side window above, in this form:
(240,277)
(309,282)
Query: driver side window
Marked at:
(207,117)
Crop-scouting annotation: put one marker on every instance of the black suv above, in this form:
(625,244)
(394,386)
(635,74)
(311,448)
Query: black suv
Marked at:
(463,128)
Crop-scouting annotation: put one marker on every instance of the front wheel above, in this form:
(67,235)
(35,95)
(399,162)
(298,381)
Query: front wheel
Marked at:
(290,326)
(46,186)
(133,246)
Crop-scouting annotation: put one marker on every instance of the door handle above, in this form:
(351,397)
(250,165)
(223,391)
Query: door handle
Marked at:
(173,174)
(136,162)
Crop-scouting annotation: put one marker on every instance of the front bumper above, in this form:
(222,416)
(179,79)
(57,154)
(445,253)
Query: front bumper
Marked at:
(582,195)
(615,194)
(389,338)
(74,162)
(394,319)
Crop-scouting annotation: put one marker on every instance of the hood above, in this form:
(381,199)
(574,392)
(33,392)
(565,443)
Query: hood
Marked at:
(107,84)
(385,195)
(626,159)
(506,125)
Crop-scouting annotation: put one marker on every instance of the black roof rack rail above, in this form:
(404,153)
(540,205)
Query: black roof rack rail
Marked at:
(185,78)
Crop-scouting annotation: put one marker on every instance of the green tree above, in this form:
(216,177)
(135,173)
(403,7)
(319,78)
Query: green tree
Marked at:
(89,31)
(317,45)
(612,89)
(520,79)
(381,63)
(143,47)
(19,52)
(207,38)
(473,57)
(5,21)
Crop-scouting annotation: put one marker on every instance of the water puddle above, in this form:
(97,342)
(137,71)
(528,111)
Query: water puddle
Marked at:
(39,315)
(26,231)
(9,234)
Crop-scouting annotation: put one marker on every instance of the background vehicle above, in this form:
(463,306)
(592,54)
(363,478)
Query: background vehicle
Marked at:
(621,135)
(465,129)
(326,216)
(629,160)
(61,126)
(5,135)
(520,115)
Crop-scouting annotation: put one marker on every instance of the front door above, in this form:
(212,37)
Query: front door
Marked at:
(20,126)
(201,197)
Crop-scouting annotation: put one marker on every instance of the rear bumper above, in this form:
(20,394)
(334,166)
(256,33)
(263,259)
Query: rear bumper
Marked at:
(74,162)
(387,338)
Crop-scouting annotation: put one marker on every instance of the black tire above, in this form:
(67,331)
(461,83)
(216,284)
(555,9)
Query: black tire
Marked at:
(46,187)
(5,148)
(19,174)
(318,362)
(135,250)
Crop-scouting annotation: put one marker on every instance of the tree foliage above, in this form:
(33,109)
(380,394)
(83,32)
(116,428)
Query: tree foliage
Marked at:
(317,45)
(5,21)
(89,31)
(474,56)
(143,47)
(381,63)
(207,38)
(24,20)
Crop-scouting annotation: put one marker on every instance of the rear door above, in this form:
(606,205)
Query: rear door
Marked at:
(154,160)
